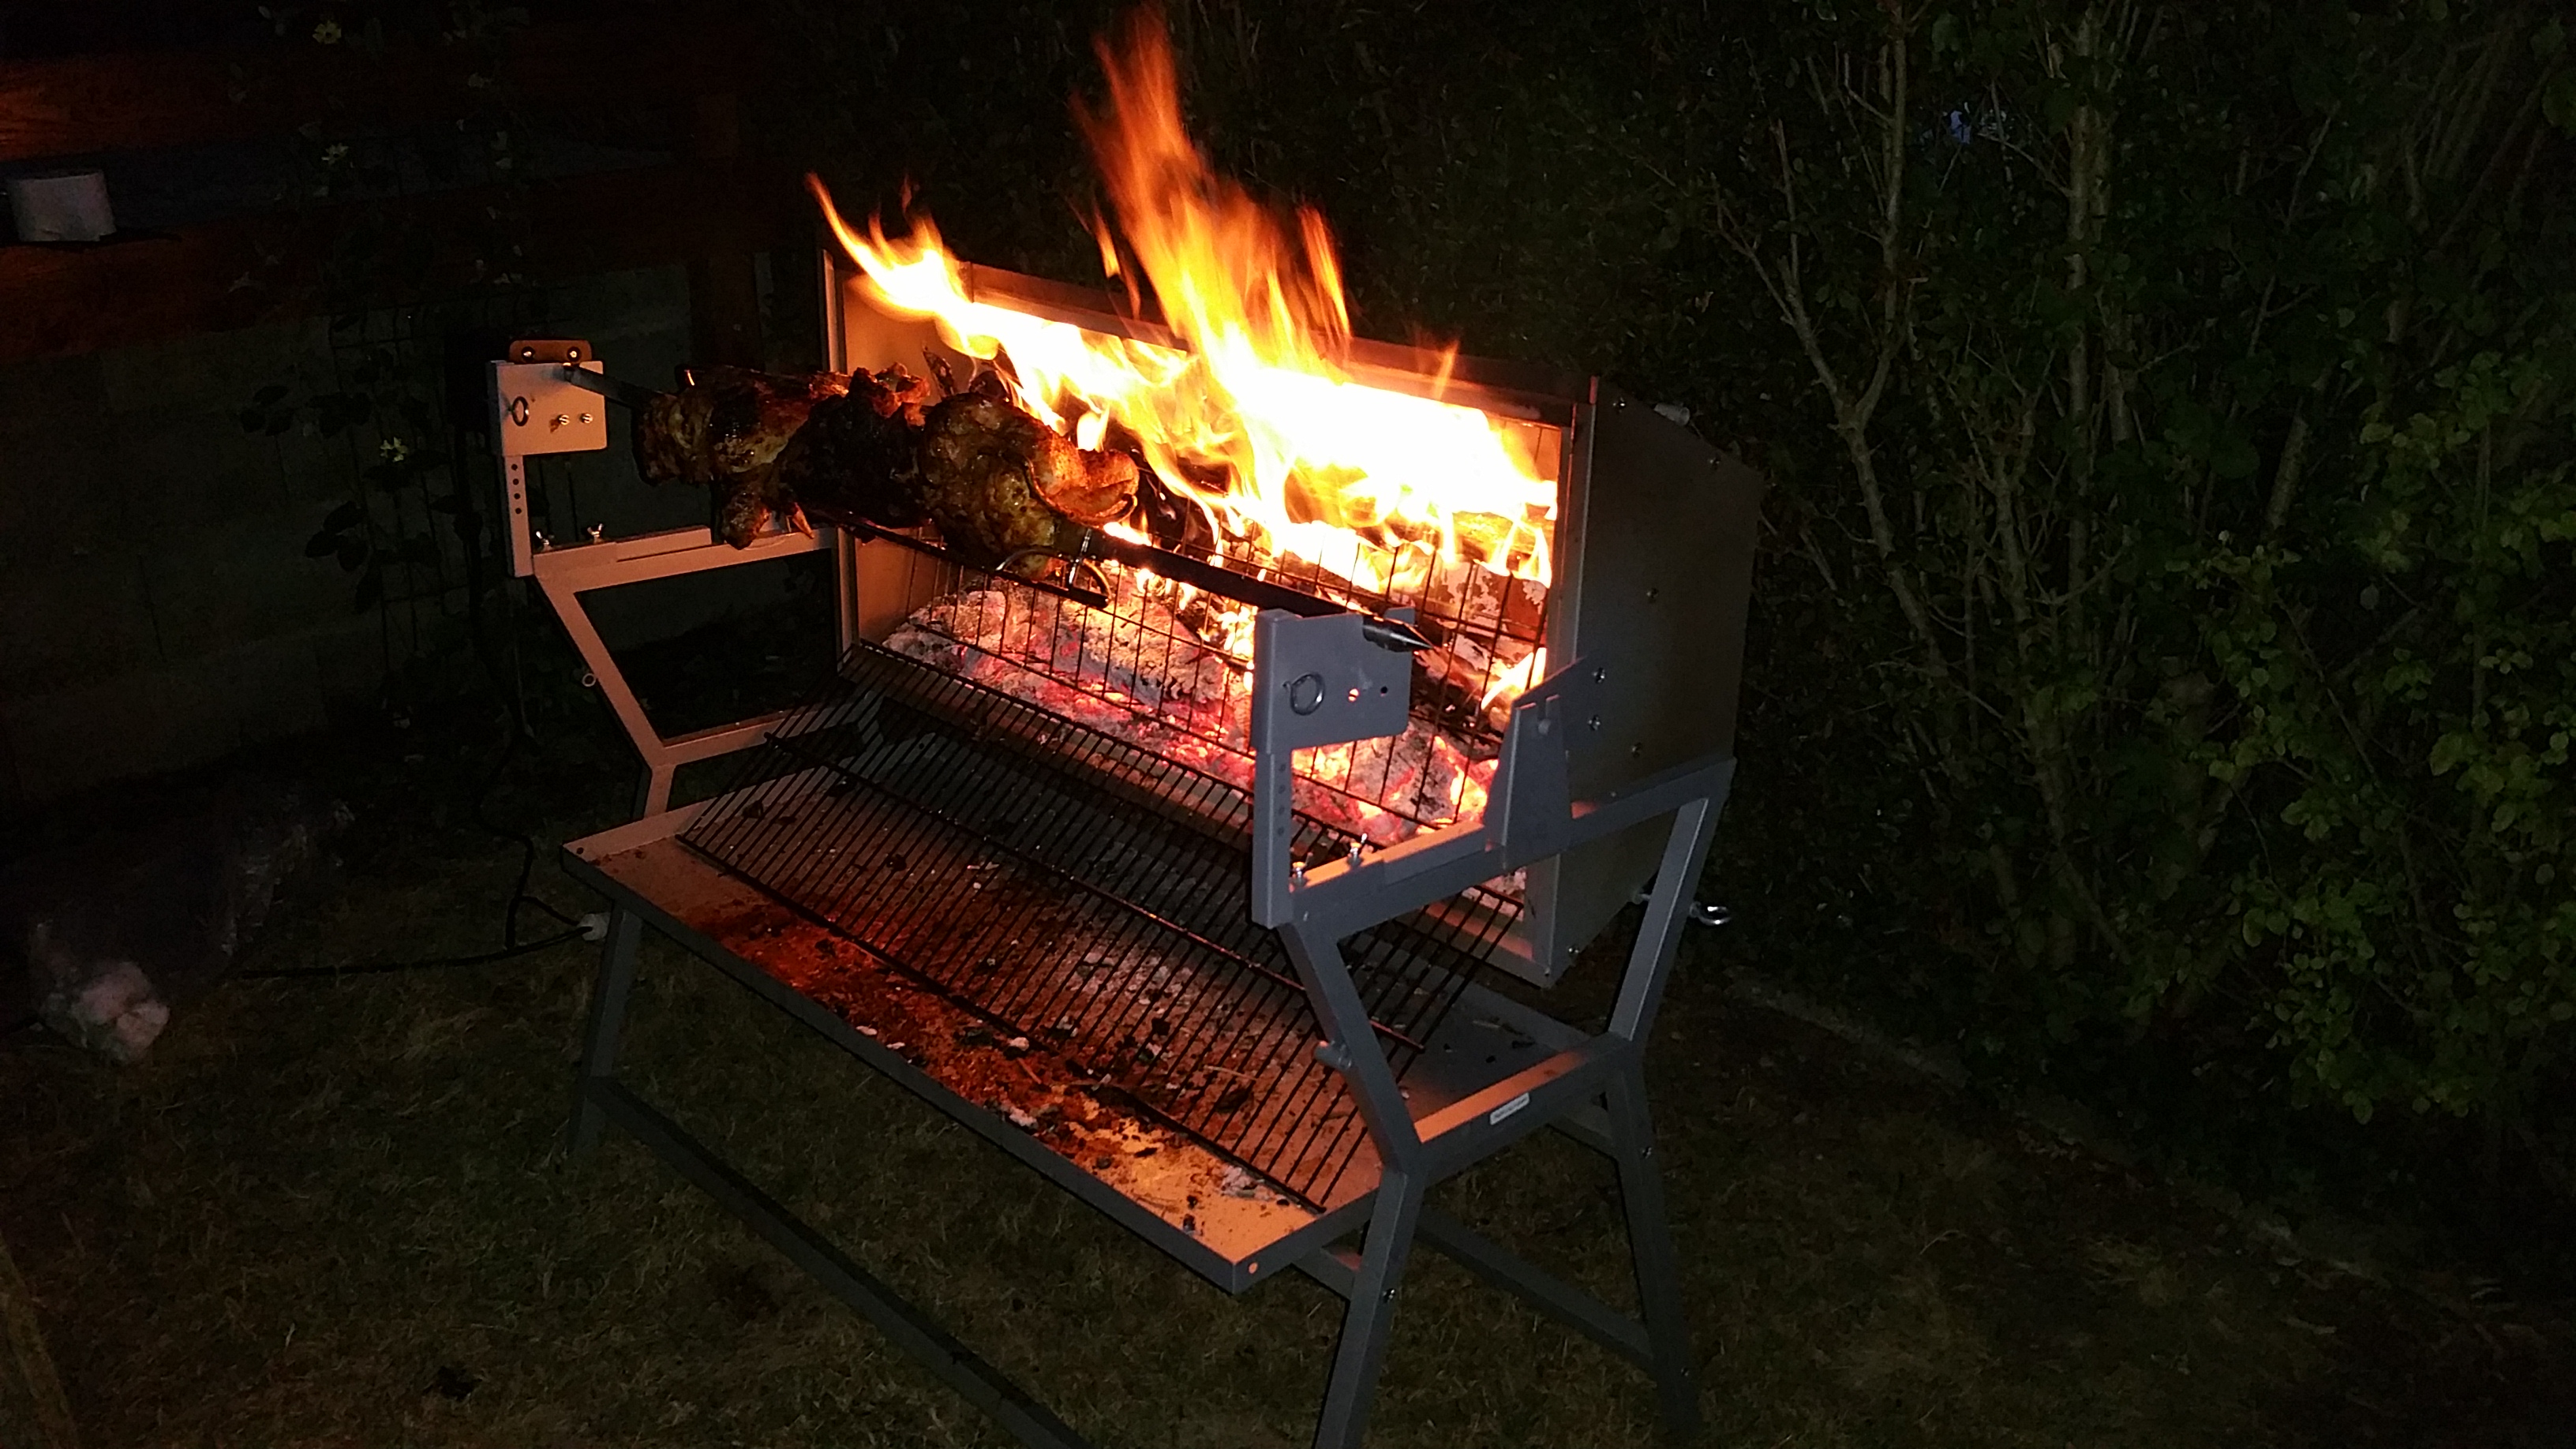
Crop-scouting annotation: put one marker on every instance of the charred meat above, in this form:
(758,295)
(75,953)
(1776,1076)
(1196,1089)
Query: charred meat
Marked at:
(727,430)
(870,448)
(996,480)
(857,458)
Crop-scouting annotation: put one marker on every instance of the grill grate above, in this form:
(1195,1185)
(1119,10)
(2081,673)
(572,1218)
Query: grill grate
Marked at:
(1160,658)
(1084,890)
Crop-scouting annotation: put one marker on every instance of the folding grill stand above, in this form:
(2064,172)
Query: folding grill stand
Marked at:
(1318,682)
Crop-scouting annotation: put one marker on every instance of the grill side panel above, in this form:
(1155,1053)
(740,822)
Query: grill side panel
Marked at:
(1655,573)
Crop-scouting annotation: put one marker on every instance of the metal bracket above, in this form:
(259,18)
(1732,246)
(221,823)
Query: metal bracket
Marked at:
(1530,814)
(535,411)
(1314,682)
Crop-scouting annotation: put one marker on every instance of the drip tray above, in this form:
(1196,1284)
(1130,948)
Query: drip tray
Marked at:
(1199,1206)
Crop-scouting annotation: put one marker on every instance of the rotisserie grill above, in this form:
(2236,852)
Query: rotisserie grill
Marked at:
(1200,737)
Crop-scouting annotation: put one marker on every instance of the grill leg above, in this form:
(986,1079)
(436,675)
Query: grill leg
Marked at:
(1370,1319)
(608,995)
(1650,1243)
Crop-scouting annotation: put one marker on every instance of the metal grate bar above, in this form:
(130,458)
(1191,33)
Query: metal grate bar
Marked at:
(1077,888)
(1039,852)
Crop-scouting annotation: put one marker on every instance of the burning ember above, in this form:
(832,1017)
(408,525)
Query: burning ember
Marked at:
(1135,671)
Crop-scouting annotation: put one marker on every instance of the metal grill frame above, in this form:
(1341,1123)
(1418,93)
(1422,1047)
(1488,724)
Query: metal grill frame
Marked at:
(1562,790)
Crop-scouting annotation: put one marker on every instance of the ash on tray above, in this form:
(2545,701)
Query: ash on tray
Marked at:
(1140,672)
(1022,1080)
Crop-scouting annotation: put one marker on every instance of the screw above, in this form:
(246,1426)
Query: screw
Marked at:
(1651,594)
(585,417)
(562,418)
(1355,852)
(1595,721)
(1297,873)
(595,530)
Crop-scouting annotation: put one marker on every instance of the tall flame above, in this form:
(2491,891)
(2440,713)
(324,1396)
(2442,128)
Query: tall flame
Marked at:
(1255,415)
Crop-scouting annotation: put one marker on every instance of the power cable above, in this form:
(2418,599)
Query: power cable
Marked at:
(387,968)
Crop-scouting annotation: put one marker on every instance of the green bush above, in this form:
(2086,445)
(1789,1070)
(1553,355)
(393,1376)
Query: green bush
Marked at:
(2199,384)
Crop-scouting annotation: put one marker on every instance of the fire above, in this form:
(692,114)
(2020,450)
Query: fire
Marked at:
(1255,417)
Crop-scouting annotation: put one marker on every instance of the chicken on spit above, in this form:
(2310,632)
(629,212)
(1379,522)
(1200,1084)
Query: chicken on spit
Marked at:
(726,429)
(869,448)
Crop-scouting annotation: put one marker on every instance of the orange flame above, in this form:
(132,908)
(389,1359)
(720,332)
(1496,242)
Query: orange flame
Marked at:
(1255,416)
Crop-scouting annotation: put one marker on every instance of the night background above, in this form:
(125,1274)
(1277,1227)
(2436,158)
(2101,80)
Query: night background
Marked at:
(2147,1007)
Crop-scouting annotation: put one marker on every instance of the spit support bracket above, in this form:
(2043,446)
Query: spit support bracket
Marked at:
(551,395)
(1327,681)
(1319,681)
(535,411)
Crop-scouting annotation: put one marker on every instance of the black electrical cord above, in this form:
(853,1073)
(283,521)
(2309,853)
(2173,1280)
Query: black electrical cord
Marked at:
(513,689)
(519,893)
(386,968)
(512,947)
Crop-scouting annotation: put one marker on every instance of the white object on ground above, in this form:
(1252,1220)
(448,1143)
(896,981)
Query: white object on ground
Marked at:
(114,1013)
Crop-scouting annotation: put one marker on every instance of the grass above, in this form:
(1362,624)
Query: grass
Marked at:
(337,1211)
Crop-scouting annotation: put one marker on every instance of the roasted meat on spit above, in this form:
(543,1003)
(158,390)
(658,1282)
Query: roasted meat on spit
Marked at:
(857,459)
(866,449)
(996,481)
(726,429)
